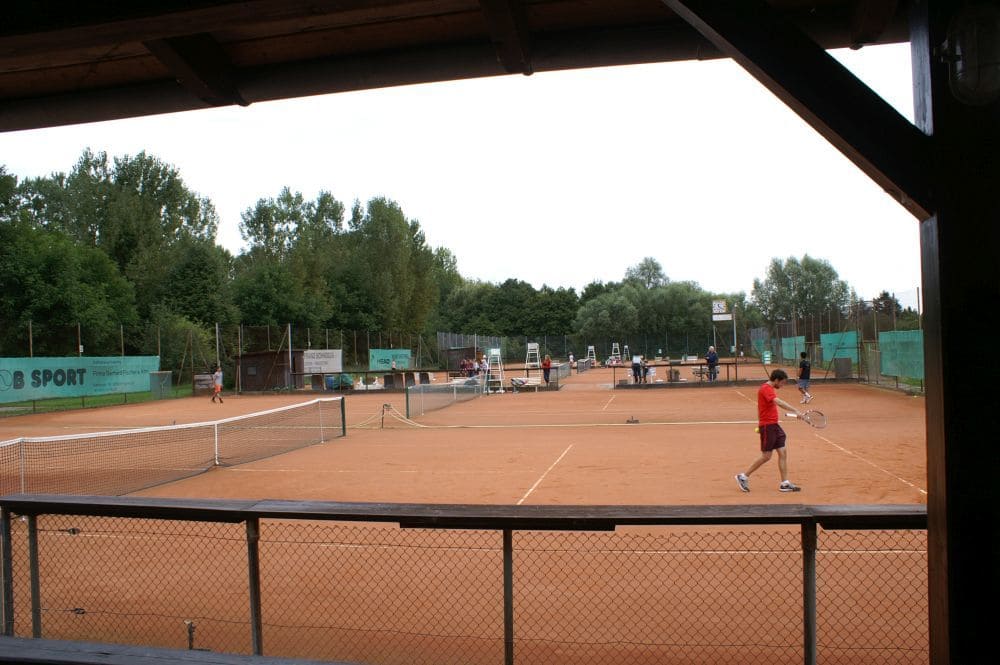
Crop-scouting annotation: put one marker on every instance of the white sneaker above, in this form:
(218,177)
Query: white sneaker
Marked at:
(803,400)
(808,399)
(743,481)
(788,486)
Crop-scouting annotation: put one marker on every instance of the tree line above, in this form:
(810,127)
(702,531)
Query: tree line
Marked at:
(119,243)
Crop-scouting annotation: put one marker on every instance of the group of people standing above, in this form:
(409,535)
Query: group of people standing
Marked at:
(471,366)
(640,369)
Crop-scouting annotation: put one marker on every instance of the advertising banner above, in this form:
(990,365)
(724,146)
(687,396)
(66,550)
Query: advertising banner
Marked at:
(330,361)
(382,359)
(24,379)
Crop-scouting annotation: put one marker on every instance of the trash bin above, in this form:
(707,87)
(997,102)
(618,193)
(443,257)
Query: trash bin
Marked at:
(842,368)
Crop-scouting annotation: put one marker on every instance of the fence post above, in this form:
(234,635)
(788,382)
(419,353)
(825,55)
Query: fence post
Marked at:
(7,608)
(253,571)
(809,592)
(36,592)
(508,598)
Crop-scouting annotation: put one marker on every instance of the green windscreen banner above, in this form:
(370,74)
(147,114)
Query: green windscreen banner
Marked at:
(383,359)
(840,345)
(901,353)
(791,347)
(23,379)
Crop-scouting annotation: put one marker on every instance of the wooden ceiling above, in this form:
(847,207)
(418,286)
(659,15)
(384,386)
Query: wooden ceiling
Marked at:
(71,62)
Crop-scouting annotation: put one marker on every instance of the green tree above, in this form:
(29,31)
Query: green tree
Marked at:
(887,304)
(266,292)
(446,279)
(135,209)
(596,288)
(393,266)
(56,284)
(8,193)
(126,206)
(554,311)
(796,288)
(608,316)
(467,308)
(647,274)
(270,226)
(196,283)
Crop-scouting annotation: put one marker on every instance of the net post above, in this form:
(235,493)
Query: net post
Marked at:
(343,417)
(22,462)
(253,572)
(319,407)
(809,592)
(406,393)
(36,593)
(215,437)
(7,607)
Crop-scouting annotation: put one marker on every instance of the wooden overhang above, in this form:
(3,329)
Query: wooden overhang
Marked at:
(73,62)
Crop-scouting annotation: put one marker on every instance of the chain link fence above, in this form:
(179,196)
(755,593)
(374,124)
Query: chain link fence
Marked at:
(375,593)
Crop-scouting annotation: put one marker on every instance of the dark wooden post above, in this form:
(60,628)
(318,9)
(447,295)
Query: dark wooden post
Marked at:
(961,284)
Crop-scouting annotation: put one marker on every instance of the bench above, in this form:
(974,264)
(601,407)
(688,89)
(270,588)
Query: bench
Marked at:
(702,372)
(527,382)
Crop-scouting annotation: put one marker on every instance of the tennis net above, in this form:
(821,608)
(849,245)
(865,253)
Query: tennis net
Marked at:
(423,398)
(120,462)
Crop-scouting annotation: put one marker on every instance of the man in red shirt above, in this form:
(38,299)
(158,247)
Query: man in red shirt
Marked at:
(772,437)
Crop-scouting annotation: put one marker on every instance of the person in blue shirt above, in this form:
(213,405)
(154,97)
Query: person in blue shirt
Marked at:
(805,370)
(712,359)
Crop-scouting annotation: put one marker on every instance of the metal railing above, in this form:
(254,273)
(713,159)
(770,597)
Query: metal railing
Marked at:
(471,583)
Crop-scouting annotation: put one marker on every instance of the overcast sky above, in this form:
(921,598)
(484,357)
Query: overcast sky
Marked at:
(557,178)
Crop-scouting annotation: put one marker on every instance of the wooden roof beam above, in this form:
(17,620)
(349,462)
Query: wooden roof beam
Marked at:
(201,66)
(845,111)
(507,21)
(870,20)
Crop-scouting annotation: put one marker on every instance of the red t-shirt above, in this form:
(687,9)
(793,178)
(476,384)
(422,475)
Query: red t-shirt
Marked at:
(767,410)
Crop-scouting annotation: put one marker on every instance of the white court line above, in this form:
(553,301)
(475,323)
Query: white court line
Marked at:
(608,403)
(564,425)
(873,464)
(542,477)
(744,396)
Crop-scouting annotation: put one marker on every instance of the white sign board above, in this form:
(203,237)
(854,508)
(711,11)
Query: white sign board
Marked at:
(719,307)
(722,317)
(323,362)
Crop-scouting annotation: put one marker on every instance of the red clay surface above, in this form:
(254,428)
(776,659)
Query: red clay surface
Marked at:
(379,594)
(571,446)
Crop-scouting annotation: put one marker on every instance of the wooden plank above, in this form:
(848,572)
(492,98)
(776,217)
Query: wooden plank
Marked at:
(213,510)
(508,26)
(472,516)
(199,64)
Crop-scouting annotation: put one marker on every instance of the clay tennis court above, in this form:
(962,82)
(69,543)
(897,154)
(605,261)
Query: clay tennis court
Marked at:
(575,446)
(565,447)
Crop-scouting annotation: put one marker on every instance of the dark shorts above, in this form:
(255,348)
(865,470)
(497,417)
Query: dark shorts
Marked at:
(804,384)
(772,437)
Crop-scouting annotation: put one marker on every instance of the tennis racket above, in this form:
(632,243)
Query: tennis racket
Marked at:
(813,418)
